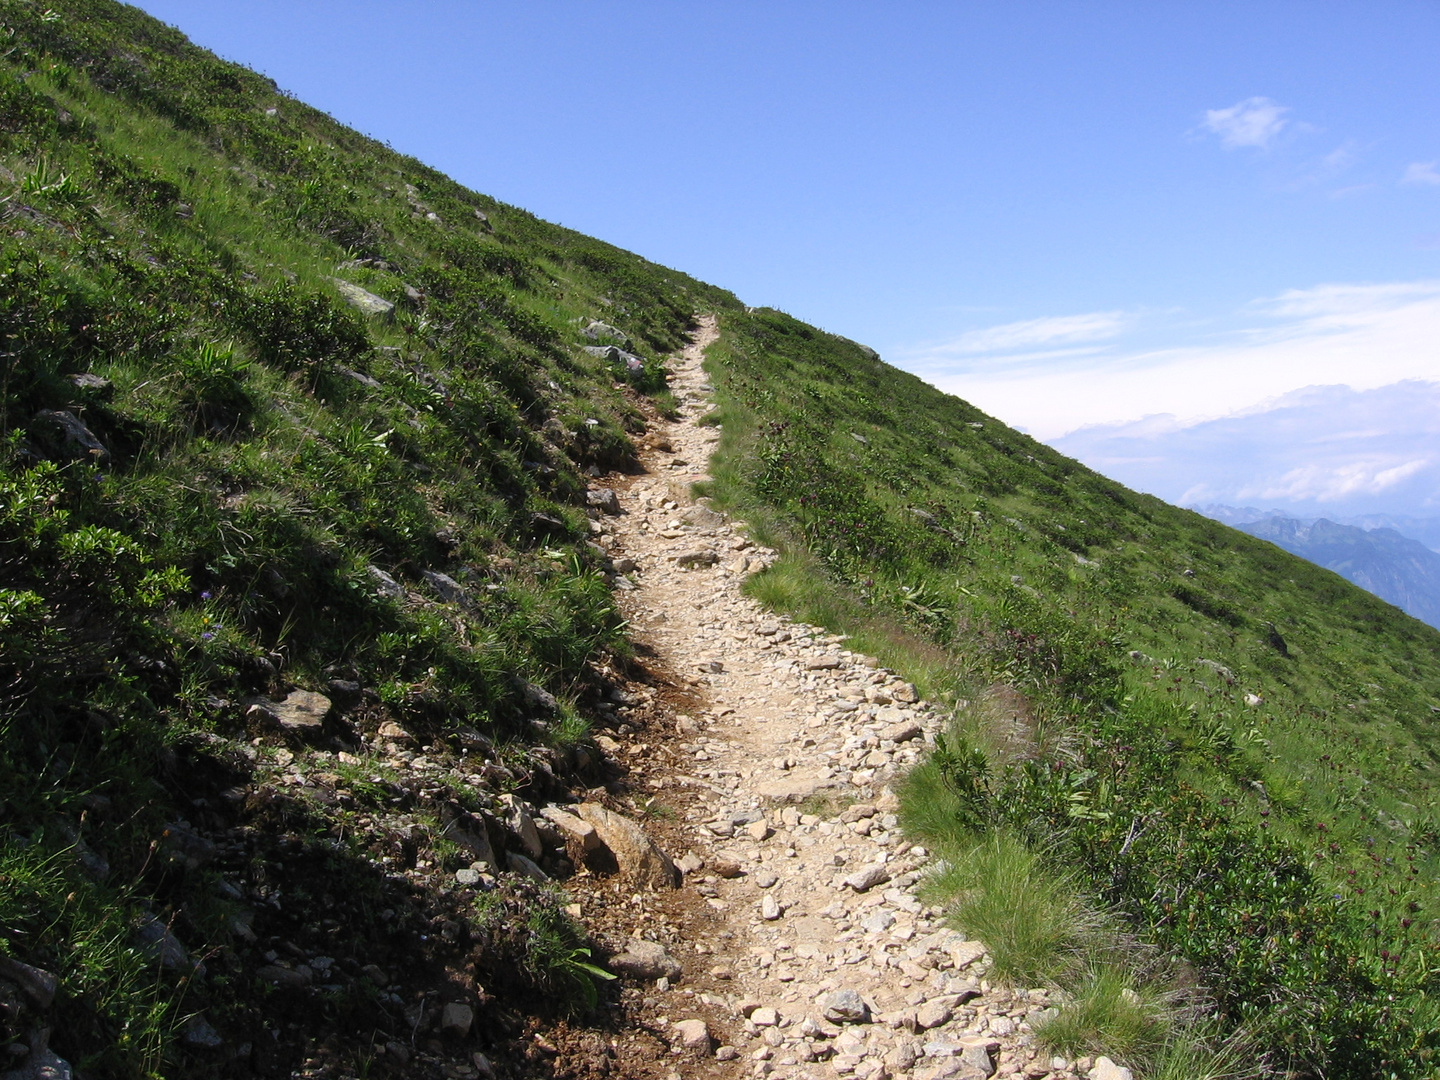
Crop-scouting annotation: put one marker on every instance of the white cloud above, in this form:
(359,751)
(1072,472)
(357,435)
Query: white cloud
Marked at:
(1050,331)
(1255,121)
(1329,450)
(1364,336)
(1422,173)
(1342,157)
(1333,483)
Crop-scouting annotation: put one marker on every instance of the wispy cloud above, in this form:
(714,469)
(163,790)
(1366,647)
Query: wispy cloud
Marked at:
(1029,334)
(1322,449)
(1255,122)
(1422,174)
(1329,483)
(1364,336)
(1342,157)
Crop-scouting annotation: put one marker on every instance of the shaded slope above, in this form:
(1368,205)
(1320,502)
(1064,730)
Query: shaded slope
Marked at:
(287,413)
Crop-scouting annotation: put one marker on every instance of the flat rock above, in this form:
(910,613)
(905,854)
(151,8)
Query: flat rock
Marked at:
(823,663)
(693,1035)
(603,499)
(385,585)
(42,1064)
(78,439)
(597,329)
(283,977)
(645,960)
(576,830)
(690,863)
(878,922)
(933,1014)
(447,588)
(470,834)
(300,712)
(979,1054)
(639,858)
(363,300)
(843,1007)
(38,984)
(702,517)
(867,877)
(964,953)
(1105,1069)
(199,1034)
(697,557)
(519,864)
(456,1019)
(903,731)
(159,944)
(517,816)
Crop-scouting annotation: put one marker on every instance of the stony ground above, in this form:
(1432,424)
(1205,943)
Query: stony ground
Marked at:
(796,946)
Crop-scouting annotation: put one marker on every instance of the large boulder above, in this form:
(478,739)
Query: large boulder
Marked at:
(597,329)
(300,713)
(76,439)
(470,834)
(603,499)
(638,857)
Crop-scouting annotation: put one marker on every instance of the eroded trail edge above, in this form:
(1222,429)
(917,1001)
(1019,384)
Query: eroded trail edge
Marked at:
(763,753)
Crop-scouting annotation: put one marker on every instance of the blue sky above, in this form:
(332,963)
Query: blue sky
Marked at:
(1071,214)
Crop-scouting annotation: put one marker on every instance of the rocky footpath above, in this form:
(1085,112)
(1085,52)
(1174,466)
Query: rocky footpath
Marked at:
(737,855)
(812,956)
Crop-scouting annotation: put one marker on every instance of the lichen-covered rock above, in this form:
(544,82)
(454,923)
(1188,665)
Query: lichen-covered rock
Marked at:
(367,303)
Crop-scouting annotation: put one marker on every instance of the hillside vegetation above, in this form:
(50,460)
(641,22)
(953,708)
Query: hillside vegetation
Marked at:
(222,481)
(284,413)
(1231,749)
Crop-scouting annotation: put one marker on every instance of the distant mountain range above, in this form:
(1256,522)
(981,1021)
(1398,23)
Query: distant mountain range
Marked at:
(1374,551)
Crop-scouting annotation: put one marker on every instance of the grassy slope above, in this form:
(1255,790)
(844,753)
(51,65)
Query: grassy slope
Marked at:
(172,224)
(1114,614)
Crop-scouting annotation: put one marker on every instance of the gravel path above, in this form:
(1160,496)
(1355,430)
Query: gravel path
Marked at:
(819,954)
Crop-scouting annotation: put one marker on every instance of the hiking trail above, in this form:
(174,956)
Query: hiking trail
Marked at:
(766,752)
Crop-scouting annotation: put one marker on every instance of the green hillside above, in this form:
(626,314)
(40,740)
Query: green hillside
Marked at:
(283,411)
(1236,749)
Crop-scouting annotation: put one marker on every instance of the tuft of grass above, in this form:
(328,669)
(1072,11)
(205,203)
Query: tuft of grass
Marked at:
(1030,917)
(827,803)
(1201,1053)
(558,958)
(1105,1014)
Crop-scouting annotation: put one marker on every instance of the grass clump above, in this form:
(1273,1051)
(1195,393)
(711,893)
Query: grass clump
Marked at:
(1003,893)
